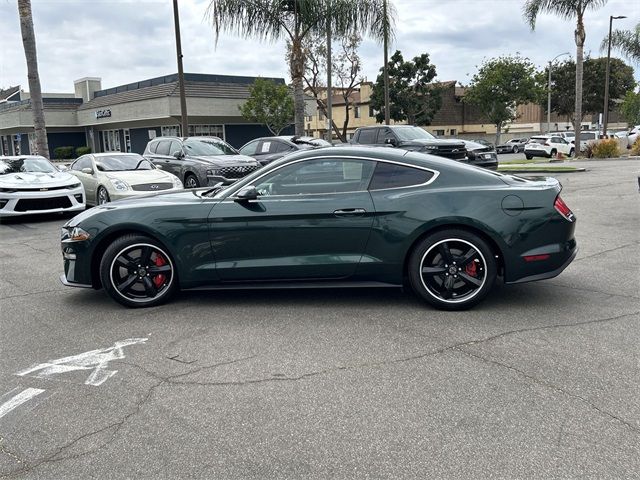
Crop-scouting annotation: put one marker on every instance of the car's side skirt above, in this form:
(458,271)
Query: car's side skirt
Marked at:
(294,284)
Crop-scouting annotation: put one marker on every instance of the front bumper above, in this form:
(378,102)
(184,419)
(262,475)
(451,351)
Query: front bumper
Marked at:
(33,203)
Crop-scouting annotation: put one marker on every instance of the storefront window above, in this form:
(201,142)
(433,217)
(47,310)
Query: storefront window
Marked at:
(111,141)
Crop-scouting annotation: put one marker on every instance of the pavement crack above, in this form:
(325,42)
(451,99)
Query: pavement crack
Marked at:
(30,293)
(593,290)
(116,426)
(9,453)
(551,386)
(606,251)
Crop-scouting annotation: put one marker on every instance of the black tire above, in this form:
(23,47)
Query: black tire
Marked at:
(572,152)
(461,269)
(137,272)
(515,149)
(528,157)
(553,153)
(191,181)
(102,196)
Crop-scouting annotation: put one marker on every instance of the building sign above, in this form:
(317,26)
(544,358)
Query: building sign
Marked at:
(103,113)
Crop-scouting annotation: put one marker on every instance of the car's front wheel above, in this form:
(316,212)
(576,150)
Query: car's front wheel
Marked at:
(137,272)
(528,157)
(102,196)
(191,181)
(572,152)
(515,149)
(452,269)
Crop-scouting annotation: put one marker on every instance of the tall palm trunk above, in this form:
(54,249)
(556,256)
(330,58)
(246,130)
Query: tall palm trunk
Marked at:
(577,121)
(297,73)
(29,42)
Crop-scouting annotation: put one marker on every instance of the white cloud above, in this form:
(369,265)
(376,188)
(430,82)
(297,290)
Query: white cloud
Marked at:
(124,41)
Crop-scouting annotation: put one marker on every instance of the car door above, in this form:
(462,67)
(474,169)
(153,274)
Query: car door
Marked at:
(89,180)
(311,220)
(560,145)
(162,158)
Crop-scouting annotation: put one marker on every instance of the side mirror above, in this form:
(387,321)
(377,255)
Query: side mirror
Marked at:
(63,168)
(87,170)
(246,193)
(390,141)
(177,154)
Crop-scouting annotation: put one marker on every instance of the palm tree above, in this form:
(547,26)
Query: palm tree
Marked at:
(567,9)
(35,92)
(295,20)
(627,42)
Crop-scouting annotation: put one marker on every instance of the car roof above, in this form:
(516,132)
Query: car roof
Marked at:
(107,154)
(19,157)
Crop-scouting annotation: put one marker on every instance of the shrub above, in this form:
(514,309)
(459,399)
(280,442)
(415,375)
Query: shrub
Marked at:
(63,153)
(606,149)
(635,148)
(588,152)
(82,151)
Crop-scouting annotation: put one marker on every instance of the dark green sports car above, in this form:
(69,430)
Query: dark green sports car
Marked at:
(342,216)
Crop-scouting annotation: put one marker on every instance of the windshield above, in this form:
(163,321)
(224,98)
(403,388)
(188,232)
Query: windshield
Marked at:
(26,165)
(412,133)
(208,147)
(117,163)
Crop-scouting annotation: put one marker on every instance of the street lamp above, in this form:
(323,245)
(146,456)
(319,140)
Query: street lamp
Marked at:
(549,92)
(605,115)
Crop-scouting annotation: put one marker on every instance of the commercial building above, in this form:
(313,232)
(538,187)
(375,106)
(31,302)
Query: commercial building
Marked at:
(126,117)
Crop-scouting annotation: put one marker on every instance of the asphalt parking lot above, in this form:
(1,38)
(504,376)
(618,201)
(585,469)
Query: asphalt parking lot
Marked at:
(541,380)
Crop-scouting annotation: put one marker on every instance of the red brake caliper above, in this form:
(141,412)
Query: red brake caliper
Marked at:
(471,269)
(159,279)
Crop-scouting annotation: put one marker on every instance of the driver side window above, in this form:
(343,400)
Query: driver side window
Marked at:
(317,177)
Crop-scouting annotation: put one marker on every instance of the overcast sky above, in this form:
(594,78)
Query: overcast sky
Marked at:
(125,41)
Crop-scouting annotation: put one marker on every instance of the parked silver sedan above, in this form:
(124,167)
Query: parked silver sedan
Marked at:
(115,175)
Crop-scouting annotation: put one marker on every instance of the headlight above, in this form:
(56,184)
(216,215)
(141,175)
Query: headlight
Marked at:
(119,185)
(176,182)
(74,234)
(213,172)
(75,185)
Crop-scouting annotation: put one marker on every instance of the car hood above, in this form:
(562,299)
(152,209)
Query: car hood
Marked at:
(474,146)
(433,141)
(37,180)
(225,160)
(136,177)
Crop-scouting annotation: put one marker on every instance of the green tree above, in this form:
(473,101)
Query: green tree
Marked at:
(567,10)
(270,104)
(500,85)
(630,108)
(563,94)
(627,42)
(295,20)
(413,95)
(35,91)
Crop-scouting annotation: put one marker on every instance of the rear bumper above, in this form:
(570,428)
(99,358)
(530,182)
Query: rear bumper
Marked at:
(537,153)
(552,268)
(64,281)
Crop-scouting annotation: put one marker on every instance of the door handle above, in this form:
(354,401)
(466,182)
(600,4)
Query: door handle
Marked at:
(349,212)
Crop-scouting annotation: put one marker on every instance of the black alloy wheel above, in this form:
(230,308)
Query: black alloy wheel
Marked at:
(137,272)
(102,196)
(191,181)
(452,269)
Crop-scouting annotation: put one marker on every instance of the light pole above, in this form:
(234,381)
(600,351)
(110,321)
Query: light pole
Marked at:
(605,115)
(549,92)
(183,99)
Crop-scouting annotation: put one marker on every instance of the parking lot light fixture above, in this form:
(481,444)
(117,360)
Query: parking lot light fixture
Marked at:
(605,114)
(549,92)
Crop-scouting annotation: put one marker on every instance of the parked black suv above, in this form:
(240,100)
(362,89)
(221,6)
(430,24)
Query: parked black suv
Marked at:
(199,161)
(409,138)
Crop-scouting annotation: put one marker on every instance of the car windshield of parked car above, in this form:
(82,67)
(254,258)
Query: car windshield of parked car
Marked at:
(117,163)
(26,165)
(208,147)
(412,133)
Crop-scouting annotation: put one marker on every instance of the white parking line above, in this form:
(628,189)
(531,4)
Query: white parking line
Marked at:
(19,399)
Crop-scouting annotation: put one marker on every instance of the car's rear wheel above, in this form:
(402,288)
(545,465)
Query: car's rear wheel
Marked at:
(452,269)
(572,152)
(528,157)
(102,196)
(553,153)
(515,149)
(191,181)
(136,271)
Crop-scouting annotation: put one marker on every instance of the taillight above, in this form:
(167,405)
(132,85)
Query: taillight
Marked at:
(563,209)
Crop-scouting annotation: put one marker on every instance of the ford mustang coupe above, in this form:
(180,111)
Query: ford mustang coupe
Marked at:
(347,216)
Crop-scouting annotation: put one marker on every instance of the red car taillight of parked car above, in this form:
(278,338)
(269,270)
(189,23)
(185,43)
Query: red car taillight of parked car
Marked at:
(563,209)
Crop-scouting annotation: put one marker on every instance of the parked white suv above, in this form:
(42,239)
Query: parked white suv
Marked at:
(633,135)
(547,146)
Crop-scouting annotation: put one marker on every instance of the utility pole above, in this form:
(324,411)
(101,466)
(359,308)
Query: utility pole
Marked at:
(605,115)
(329,73)
(385,33)
(183,98)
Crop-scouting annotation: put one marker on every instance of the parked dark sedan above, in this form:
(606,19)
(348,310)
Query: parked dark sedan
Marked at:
(267,149)
(199,161)
(331,217)
(481,155)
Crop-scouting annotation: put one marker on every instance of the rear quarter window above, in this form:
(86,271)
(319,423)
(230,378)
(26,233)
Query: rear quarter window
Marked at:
(391,175)
(367,136)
